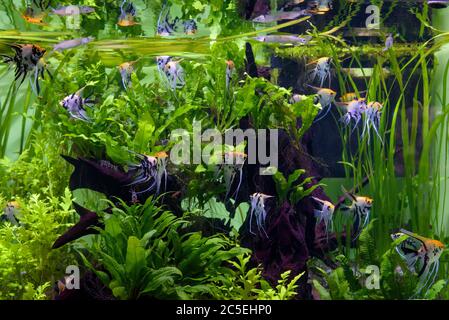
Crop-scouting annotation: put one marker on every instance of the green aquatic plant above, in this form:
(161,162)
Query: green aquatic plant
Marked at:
(245,283)
(29,266)
(289,190)
(143,253)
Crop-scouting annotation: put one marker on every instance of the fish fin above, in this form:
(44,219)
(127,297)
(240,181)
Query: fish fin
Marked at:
(82,228)
(74,162)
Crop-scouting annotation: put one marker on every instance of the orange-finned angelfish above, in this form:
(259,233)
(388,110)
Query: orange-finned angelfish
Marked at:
(421,255)
(31,16)
(360,208)
(162,162)
(11,212)
(28,59)
(325,97)
(149,172)
(127,15)
(259,210)
(143,173)
(126,69)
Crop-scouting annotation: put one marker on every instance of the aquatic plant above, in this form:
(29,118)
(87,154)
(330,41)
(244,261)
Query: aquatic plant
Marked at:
(29,267)
(144,253)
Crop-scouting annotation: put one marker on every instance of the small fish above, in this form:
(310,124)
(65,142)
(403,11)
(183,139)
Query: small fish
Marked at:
(354,111)
(283,39)
(325,97)
(230,68)
(11,212)
(233,164)
(388,42)
(360,208)
(324,214)
(373,113)
(162,62)
(72,10)
(75,105)
(321,70)
(127,15)
(162,161)
(73,43)
(144,172)
(258,209)
(164,26)
(28,59)
(126,69)
(421,255)
(190,27)
(175,74)
(31,16)
(282,15)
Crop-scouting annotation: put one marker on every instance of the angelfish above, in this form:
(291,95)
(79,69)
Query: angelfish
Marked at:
(127,15)
(233,164)
(75,105)
(164,26)
(28,59)
(325,97)
(360,208)
(259,211)
(10,213)
(175,74)
(324,214)
(73,43)
(421,255)
(126,69)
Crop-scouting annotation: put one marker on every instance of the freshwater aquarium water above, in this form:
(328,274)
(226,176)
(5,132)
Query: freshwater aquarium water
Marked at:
(224,150)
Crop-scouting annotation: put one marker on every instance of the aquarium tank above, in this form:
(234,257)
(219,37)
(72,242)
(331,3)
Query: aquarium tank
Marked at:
(224,150)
